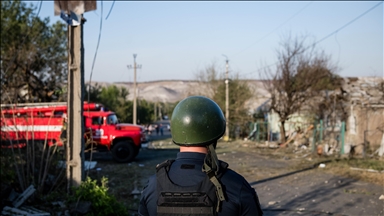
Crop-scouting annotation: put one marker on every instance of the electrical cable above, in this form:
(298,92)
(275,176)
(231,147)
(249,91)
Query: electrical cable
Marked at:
(90,76)
(334,32)
(350,22)
(110,10)
(38,12)
(97,48)
(262,38)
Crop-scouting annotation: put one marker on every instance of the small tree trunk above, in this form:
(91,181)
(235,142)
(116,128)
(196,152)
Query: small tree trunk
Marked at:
(282,132)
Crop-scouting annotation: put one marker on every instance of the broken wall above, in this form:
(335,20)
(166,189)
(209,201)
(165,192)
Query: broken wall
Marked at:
(365,121)
(365,110)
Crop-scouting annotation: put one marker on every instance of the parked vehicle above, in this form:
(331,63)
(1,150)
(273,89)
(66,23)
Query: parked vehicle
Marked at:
(39,123)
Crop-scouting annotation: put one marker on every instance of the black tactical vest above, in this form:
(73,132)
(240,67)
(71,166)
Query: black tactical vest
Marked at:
(197,200)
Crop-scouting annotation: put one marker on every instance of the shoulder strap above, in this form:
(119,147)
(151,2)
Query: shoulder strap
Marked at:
(223,167)
(165,164)
(214,170)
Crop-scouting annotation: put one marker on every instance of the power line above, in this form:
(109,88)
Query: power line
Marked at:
(294,15)
(348,23)
(38,12)
(97,48)
(334,32)
(110,10)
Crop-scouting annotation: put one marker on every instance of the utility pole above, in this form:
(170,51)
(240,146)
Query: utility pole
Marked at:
(155,109)
(72,13)
(75,131)
(226,138)
(134,87)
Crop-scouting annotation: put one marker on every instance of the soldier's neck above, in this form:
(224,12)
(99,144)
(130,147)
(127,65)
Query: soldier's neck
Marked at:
(197,149)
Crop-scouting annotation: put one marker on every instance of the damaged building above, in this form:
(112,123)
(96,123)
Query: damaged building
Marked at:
(357,107)
(365,123)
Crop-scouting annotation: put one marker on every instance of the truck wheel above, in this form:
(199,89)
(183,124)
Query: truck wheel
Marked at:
(123,151)
(137,150)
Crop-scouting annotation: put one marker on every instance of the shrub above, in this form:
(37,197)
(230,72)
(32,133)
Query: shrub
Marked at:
(102,202)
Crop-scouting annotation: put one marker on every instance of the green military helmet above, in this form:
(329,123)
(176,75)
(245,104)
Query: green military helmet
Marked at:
(197,121)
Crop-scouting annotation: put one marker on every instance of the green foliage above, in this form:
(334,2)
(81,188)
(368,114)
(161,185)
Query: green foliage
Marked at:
(145,112)
(239,94)
(102,202)
(33,54)
(115,99)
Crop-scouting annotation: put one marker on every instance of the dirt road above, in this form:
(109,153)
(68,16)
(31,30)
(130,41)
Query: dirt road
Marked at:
(287,184)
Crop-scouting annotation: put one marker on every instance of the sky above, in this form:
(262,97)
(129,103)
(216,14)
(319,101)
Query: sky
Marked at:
(174,40)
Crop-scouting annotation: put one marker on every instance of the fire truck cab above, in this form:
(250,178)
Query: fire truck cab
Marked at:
(28,124)
(122,139)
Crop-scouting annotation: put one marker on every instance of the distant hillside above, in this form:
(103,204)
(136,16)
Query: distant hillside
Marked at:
(176,90)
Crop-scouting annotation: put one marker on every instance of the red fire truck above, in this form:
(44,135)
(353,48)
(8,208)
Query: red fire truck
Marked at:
(25,124)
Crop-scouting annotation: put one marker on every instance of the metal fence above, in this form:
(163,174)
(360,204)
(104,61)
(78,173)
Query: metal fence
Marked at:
(261,131)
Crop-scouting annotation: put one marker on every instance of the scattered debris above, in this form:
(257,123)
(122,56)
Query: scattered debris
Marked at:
(381,197)
(87,164)
(23,211)
(299,138)
(22,197)
(145,145)
(17,200)
(59,203)
(367,170)
(321,165)
(272,202)
(135,192)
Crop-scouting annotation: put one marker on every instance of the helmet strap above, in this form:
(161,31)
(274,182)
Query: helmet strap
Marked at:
(211,168)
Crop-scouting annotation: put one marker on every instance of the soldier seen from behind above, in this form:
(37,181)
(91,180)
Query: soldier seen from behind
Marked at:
(196,182)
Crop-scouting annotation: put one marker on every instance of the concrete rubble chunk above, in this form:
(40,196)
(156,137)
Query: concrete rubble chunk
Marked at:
(22,197)
(34,211)
(27,210)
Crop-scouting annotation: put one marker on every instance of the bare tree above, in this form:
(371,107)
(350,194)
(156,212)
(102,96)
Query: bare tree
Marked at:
(208,79)
(301,73)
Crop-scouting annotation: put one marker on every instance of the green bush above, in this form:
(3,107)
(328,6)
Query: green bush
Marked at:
(103,203)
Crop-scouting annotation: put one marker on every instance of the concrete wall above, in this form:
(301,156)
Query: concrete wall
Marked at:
(363,119)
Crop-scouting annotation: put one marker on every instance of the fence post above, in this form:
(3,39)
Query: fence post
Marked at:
(321,130)
(257,132)
(342,137)
(314,137)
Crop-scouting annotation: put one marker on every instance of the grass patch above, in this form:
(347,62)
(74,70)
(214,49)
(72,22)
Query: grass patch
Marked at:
(342,167)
